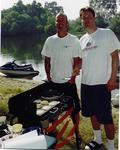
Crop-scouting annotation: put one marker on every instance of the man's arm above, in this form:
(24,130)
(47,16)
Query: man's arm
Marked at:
(77,62)
(47,67)
(111,85)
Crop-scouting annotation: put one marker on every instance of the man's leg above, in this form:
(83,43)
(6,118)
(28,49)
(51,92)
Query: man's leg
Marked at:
(96,129)
(77,120)
(109,130)
(96,143)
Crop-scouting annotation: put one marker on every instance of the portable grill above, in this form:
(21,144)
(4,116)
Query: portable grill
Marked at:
(29,115)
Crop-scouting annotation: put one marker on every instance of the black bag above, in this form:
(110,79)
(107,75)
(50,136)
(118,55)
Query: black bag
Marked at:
(22,107)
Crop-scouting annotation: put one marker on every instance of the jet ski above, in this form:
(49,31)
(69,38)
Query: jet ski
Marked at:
(11,69)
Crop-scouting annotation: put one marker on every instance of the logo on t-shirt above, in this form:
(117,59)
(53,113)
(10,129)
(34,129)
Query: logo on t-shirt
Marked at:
(90,45)
(66,46)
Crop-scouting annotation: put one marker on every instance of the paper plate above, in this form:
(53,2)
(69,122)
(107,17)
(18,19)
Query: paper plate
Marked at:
(40,112)
(46,108)
(54,103)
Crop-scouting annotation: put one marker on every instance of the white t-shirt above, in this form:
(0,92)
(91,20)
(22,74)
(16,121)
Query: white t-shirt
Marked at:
(96,55)
(61,51)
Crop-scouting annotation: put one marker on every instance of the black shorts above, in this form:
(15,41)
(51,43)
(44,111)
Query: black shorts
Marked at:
(96,101)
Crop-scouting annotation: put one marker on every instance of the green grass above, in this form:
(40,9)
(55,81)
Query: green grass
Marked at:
(5,94)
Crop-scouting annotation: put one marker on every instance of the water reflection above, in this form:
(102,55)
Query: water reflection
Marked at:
(23,48)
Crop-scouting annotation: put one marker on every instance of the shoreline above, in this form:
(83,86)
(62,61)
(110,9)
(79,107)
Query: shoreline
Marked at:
(25,84)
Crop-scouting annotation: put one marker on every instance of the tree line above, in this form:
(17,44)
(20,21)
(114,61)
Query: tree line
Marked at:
(35,19)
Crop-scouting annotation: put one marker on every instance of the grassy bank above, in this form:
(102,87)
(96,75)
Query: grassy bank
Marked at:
(10,87)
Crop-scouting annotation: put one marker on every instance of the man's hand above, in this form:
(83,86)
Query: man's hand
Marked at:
(49,78)
(76,71)
(47,67)
(111,85)
(77,62)
(72,80)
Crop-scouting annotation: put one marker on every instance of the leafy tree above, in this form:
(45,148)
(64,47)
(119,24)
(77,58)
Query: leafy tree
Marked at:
(75,27)
(26,23)
(115,23)
(101,22)
(105,8)
(19,7)
(50,27)
(8,21)
(28,19)
(53,8)
(34,9)
(33,18)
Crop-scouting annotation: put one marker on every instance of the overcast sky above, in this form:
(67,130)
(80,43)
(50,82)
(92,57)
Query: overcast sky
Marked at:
(71,7)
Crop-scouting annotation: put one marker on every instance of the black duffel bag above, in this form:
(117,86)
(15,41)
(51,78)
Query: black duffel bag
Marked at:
(22,107)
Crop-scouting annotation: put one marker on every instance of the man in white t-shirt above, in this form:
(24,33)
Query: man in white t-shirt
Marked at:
(99,68)
(62,61)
